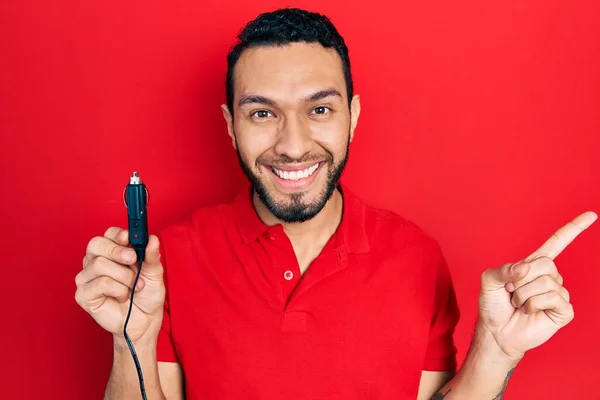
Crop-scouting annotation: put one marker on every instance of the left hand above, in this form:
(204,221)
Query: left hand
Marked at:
(524,304)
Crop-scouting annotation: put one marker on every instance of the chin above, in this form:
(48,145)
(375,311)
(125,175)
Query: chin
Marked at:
(294,207)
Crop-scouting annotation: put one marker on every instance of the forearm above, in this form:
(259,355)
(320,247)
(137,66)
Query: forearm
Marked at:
(123,382)
(484,374)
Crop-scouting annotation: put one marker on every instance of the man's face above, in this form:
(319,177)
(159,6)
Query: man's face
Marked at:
(292,126)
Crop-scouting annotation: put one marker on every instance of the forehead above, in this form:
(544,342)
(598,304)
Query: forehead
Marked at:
(288,72)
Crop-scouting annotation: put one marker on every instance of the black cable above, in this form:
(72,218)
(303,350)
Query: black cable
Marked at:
(128,340)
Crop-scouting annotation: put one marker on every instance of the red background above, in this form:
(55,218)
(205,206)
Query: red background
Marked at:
(480,122)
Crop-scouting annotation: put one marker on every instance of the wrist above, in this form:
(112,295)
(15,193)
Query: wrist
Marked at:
(147,341)
(486,369)
(486,345)
(142,344)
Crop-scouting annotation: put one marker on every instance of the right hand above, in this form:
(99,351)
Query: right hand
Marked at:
(104,285)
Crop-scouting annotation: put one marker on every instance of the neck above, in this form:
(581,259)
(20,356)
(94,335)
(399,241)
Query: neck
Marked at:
(313,232)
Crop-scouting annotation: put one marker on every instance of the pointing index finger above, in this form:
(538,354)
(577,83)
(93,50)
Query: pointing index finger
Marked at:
(564,236)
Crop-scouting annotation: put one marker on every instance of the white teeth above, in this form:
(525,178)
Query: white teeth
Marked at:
(296,175)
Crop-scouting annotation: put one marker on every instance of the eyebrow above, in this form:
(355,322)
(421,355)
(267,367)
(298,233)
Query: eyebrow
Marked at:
(323,94)
(251,99)
(320,95)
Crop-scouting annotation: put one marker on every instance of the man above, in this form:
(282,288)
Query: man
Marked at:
(297,289)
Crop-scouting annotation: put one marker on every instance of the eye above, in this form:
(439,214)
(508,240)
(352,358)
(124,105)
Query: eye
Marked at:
(321,110)
(261,114)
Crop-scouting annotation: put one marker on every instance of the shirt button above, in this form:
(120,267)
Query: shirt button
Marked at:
(288,275)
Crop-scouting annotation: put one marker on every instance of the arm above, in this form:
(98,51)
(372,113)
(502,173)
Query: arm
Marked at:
(123,382)
(171,380)
(484,374)
(162,380)
(431,381)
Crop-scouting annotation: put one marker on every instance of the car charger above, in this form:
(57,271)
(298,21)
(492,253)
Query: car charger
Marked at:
(136,200)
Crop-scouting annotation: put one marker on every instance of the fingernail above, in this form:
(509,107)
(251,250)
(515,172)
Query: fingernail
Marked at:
(510,286)
(513,269)
(139,285)
(517,269)
(128,255)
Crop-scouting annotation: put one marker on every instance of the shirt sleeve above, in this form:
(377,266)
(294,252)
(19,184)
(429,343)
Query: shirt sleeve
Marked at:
(441,350)
(165,349)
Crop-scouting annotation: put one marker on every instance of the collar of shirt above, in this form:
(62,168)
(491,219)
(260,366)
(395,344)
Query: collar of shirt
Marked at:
(351,233)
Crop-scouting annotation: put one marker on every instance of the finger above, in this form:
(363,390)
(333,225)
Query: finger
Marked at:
(152,266)
(556,307)
(99,289)
(511,287)
(538,267)
(564,236)
(498,278)
(107,248)
(543,284)
(559,279)
(117,235)
(101,266)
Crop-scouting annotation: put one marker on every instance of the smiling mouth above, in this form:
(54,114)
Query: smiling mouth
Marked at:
(296,175)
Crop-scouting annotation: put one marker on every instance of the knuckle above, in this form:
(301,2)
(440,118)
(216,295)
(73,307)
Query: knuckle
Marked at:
(571,312)
(78,279)
(547,262)
(485,274)
(79,297)
(548,282)
(92,244)
(95,266)
(108,232)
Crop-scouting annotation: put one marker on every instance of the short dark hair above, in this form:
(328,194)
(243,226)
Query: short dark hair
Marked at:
(285,26)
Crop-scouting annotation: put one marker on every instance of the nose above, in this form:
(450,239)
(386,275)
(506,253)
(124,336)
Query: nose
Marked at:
(293,138)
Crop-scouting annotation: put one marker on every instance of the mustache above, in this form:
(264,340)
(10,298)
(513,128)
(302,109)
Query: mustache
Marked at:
(284,159)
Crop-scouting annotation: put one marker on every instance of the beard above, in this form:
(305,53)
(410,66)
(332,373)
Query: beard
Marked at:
(297,209)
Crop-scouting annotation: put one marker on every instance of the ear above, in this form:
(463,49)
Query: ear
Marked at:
(354,114)
(229,121)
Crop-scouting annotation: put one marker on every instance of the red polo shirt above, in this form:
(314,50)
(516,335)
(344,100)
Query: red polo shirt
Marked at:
(372,311)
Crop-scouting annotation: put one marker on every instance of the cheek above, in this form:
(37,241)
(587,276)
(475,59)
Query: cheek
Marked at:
(333,136)
(252,141)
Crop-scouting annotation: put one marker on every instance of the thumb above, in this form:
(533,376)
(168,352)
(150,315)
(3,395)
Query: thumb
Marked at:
(152,265)
(496,278)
